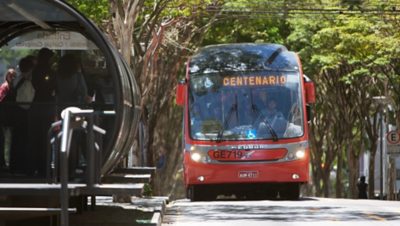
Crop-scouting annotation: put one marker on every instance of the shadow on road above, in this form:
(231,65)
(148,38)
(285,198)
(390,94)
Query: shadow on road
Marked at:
(278,210)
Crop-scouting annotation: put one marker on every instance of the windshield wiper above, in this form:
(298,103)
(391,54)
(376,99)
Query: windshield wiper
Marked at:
(271,130)
(227,119)
(259,113)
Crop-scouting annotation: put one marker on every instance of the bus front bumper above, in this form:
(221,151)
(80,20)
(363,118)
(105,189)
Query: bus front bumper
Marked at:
(196,173)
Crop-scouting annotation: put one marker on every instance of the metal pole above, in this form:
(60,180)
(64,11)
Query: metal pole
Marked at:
(381,151)
(65,140)
(396,195)
(91,166)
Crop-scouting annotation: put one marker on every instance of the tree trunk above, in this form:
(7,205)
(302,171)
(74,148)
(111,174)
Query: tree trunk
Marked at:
(339,174)
(371,170)
(392,178)
(326,187)
(168,154)
(317,176)
(353,164)
(326,181)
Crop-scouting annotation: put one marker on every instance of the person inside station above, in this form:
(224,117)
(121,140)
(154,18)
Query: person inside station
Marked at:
(71,90)
(42,110)
(20,154)
(4,130)
(9,78)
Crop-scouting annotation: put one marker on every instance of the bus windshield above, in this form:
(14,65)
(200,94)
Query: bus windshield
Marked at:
(250,105)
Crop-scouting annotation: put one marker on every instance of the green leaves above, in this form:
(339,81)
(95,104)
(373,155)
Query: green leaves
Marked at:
(95,10)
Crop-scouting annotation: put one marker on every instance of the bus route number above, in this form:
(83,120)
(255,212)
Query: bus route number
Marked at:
(226,154)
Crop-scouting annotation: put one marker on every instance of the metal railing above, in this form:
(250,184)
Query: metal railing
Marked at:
(72,119)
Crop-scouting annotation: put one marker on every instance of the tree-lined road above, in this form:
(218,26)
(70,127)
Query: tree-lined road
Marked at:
(306,211)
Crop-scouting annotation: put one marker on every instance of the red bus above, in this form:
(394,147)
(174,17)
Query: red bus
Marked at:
(245,124)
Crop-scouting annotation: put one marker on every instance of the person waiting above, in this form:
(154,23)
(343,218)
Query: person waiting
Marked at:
(42,111)
(71,87)
(43,76)
(8,83)
(4,91)
(362,188)
(20,156)
(71,90)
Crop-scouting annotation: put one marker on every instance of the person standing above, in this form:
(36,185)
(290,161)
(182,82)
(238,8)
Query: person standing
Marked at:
(4,90)
(8,83)
(70,84)
(71,90)
(362,188)
(20,154)
(42,111)
(43,77)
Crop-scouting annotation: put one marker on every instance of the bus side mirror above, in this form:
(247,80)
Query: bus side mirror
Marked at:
(310,92)
(180,93)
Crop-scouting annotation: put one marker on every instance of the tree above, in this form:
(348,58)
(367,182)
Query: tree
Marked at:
(344,57)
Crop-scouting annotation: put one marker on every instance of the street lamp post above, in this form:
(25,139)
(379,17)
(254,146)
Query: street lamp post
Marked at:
(381,101)
(381,151)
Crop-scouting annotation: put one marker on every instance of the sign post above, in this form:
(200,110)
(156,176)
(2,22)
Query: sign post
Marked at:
(393,147)
(393,142)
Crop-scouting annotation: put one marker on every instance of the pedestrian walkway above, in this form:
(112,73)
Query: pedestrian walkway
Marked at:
(147,211)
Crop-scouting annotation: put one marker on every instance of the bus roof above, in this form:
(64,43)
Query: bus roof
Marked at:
(243,57)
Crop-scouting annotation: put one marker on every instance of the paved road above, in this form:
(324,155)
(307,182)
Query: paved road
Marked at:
(307,211)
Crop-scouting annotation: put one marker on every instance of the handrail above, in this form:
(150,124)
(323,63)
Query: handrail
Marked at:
(73,118)
(65,145)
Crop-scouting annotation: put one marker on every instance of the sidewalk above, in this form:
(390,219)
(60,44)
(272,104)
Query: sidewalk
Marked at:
(141,211)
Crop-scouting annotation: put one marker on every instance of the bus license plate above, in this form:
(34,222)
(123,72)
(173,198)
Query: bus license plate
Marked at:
(248,174)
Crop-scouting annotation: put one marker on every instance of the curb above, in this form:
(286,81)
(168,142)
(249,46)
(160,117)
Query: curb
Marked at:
(156,204)
(145,211)
(156,220)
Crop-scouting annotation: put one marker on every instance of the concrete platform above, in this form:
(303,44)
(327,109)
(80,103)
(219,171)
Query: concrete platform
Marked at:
(74,189)
(140,211)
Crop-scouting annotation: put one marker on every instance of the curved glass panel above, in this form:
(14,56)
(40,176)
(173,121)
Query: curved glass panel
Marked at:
(54,70)
(38,11)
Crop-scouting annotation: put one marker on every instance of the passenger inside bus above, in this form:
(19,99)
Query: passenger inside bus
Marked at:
(271,113)
(271,118)
(249,112)
(196,119)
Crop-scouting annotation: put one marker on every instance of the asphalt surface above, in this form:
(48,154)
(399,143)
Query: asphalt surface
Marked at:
(306,211)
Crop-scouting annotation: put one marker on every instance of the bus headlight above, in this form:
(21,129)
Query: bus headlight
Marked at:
(195,157)
(300,154)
